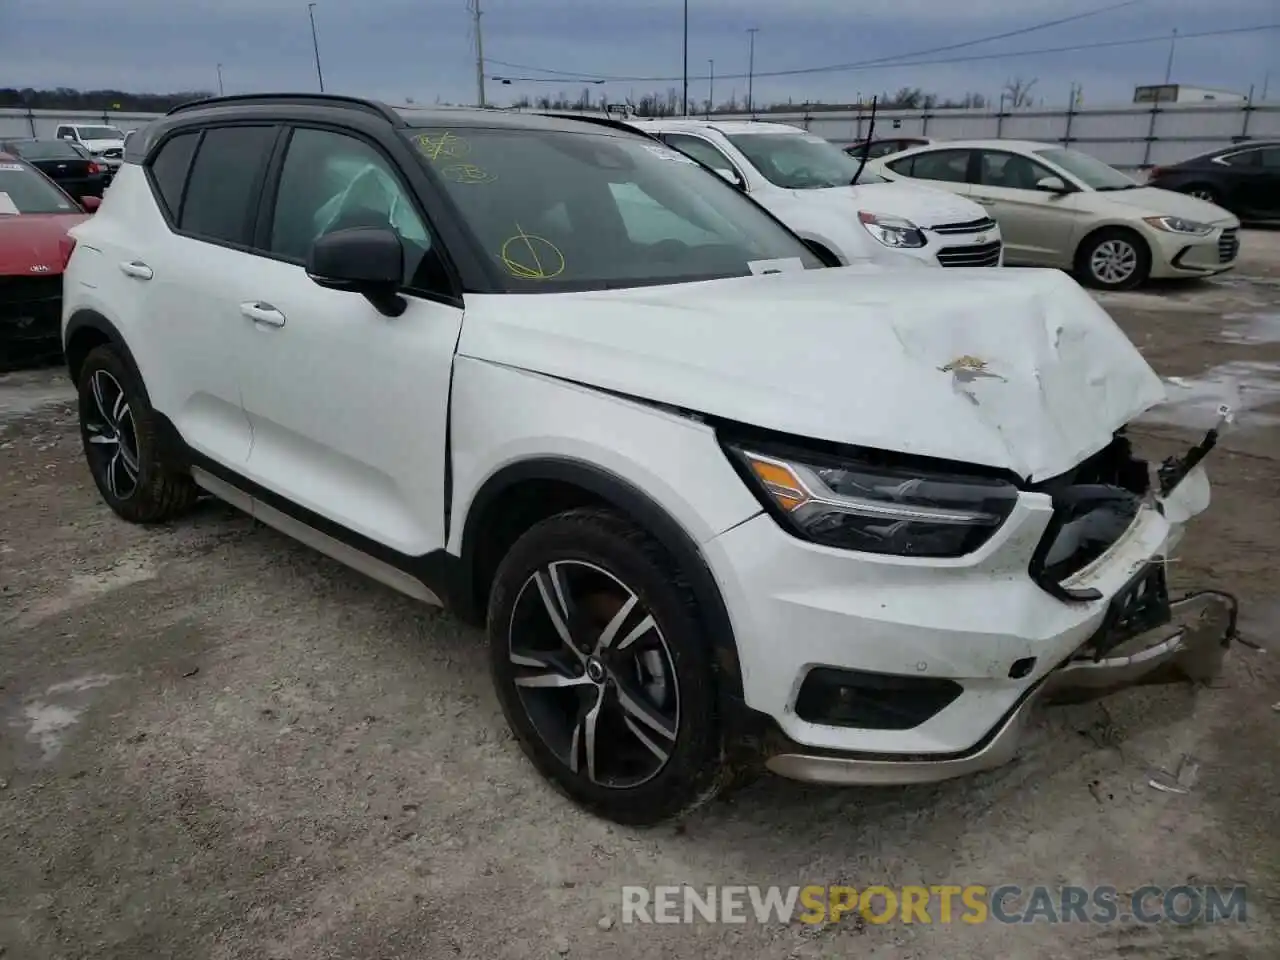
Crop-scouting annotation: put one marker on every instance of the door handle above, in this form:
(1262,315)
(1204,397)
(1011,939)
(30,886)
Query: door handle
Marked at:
(136,269)
(262,313)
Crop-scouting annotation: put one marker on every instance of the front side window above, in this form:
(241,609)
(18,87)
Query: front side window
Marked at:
(556,210)
(24,191)
(223,188)
(702,151)
(333,181)
(797,161)
(1090,171)
(1012,171)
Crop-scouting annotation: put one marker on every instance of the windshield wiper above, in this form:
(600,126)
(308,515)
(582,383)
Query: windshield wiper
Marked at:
(866,146)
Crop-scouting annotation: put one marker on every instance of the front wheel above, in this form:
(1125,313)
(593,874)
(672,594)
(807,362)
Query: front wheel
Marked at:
(1113,259)
(603,669)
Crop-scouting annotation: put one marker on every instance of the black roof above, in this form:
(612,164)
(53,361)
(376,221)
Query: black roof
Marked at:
(302,105)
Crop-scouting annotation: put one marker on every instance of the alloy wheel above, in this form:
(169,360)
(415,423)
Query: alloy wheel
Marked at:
(112,436)
(594,674)
(1113,261)
(1203,194)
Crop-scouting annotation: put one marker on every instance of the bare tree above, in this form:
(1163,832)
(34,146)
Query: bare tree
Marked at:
(1017,92)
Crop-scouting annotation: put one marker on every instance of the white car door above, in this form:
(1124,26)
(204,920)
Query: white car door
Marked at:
(349,407)
(185,327)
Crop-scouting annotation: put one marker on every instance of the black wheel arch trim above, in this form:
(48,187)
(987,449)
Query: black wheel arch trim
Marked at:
(645,511)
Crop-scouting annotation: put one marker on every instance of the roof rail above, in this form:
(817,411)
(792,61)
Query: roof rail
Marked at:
(300,99)
(601,121)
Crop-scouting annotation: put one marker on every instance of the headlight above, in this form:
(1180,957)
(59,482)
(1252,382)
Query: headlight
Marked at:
(879,509)
(1178,225)
(892,231)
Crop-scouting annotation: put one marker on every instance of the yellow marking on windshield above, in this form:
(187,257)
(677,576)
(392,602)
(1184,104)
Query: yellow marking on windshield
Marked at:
(443,146)
(467,173)
(520,255)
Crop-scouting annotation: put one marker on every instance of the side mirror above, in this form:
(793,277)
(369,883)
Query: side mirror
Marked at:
(364,260)
(91,204)
(733,178)
(1052,185)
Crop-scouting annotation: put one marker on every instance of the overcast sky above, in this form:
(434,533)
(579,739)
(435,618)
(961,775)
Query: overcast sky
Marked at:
(423,49)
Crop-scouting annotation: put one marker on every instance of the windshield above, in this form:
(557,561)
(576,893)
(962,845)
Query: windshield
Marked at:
(100,133)
(556,211)
(47,150)
(22,190)
(799,161)
(1088,170)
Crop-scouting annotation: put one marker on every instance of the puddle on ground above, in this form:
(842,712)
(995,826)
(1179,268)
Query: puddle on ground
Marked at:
(1245,387)
(1251,328)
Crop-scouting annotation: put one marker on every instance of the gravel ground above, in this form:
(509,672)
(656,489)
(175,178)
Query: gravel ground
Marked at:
(216,744)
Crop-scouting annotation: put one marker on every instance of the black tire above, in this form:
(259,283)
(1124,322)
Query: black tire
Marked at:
(1092,254)
(596,550)
(122,446)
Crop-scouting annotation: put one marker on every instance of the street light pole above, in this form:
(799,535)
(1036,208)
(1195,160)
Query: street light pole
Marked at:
(686,59)
(711,87)
(1168,68)
(751,71)
(315,44)
(220,92)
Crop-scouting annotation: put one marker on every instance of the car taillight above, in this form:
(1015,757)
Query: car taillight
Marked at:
(94,168)
(1154,172)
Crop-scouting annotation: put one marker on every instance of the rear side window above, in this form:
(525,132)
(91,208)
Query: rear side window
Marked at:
(948,166)
(226,177)
(169,170)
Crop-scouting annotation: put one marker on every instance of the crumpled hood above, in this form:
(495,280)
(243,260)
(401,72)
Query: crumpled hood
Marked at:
(923,206)
(35,240)
(1156,201)
(1009,368)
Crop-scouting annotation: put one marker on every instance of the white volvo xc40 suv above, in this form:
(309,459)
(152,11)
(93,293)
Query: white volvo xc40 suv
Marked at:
(721,507)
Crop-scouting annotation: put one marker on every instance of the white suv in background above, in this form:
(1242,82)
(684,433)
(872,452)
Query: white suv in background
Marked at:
(807,183)
(104,143)
(720,507)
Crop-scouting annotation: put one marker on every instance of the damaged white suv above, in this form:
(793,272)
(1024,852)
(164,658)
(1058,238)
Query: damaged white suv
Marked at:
(720,507)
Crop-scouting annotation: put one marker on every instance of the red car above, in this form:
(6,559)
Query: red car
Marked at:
(35,215)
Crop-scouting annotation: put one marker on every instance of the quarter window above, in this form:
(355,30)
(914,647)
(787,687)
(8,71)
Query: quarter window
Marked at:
(222,191)
(169,170)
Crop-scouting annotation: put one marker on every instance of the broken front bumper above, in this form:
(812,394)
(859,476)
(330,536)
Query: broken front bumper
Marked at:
(1190,648)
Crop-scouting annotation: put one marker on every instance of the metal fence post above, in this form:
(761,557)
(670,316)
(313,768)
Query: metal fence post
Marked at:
(31,120)
(924,124)
(1151,131)
(1071,107)
(1247,110)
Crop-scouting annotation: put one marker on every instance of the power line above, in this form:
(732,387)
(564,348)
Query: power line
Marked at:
(883,65)
(1020,31)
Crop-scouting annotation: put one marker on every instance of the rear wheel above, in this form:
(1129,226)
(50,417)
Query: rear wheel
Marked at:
(118,429)
(1113,259)
(603,670)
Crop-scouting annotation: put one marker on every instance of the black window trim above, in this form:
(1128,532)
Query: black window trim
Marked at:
(261,234)
(173,221)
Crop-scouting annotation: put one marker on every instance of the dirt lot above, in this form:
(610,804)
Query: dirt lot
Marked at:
(215,744)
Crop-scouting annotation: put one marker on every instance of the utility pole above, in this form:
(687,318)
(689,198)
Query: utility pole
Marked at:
(751,71)
(1168,69)
(711,87)
(475,19)
(220,92)
(315,44)
(686,58)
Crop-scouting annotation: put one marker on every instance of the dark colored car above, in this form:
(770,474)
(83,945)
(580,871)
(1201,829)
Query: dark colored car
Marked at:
(35,215)
(882,147)
(1243,178)
(67,165)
